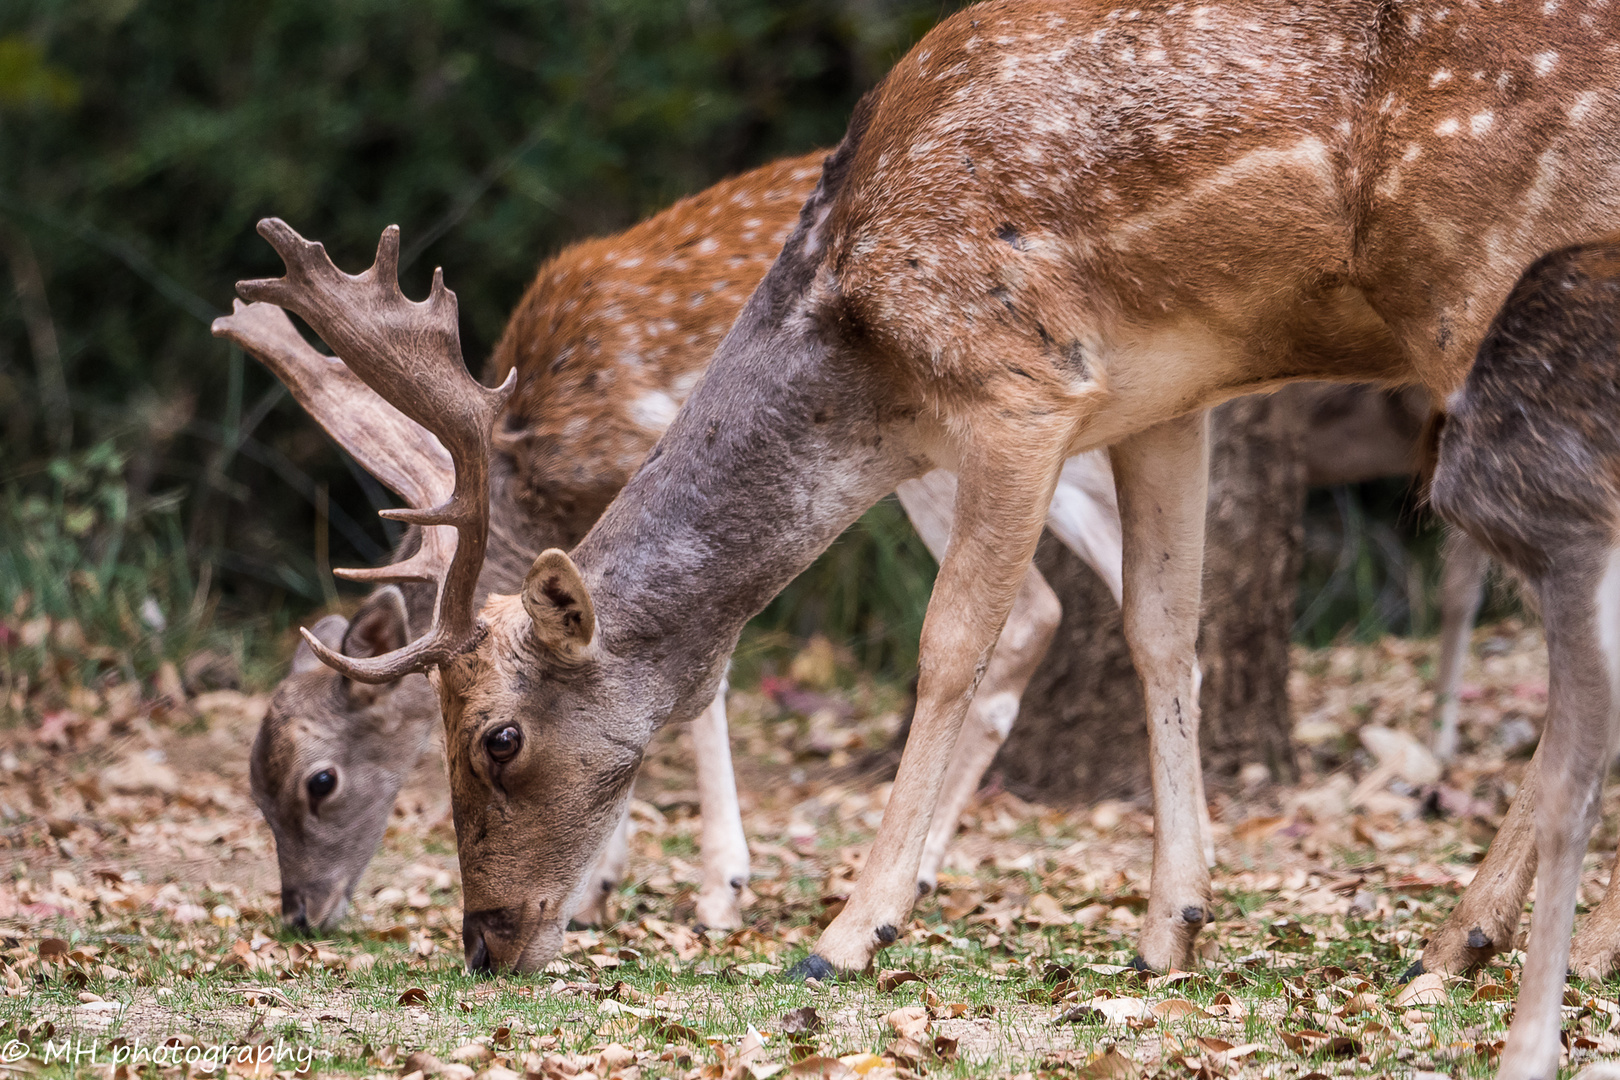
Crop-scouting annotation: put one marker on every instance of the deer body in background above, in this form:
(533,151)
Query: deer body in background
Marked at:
(582,417)
(1053,228)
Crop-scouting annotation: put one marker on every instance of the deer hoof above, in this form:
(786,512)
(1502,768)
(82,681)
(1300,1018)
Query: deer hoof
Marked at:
(811,967)
(1412,972)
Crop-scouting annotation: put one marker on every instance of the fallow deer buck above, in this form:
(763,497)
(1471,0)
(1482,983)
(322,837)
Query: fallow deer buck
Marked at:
(1052,228)
(1529,465)
(608,340)
(332,754)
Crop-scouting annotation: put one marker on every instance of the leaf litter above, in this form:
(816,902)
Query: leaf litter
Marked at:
(141,907)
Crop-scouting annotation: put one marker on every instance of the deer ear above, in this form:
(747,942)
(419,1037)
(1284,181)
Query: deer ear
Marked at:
(329,631)
(558,603)
(379,627)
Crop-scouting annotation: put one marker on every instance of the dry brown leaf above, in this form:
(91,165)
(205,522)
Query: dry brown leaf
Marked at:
(817,1067)
(1427,989)
(888,980)
(1177,1008)
(1109,1065)
(414,995)
(910,1022)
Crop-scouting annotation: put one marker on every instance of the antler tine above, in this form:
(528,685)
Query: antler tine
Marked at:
(409,353)
(403,454)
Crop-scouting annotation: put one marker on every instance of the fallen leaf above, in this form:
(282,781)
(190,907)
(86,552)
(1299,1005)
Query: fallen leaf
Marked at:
(1108,1010)
(888,980)
(799,1021)
(1109,1065)
(910,1022)
(414,995)
(1427,989)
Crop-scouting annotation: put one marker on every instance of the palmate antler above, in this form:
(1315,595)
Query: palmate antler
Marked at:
(409,355)
(407,457)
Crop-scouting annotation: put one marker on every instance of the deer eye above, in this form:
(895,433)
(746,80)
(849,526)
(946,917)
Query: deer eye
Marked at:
(321,784)
(504,744)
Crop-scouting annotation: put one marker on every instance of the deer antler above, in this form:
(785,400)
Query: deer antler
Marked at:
(410,354)
(403,454)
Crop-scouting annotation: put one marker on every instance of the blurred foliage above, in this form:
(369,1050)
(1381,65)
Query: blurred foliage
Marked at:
(1372,566)
(141,139)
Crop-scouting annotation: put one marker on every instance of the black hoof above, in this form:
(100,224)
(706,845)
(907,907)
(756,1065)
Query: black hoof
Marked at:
(1193,915)
(1477,939)
(1139,964)
(811,967)
(1412,972)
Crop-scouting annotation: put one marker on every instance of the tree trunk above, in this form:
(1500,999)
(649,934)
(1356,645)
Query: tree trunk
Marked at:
(1081,733)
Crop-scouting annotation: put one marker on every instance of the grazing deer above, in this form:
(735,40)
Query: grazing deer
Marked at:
(1529,465)
(1052,228)
(333,753)
(608,340)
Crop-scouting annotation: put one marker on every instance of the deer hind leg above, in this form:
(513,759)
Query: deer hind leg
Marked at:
(1462,584)
(1583,653)
(1024,640)
(1162,477)
(1486,919)
(605,875)
(724,845)
(1005,484)
(1085,516)
(1596,951)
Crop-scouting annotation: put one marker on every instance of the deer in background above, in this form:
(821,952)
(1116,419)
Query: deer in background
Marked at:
(1052,228)
(333,753)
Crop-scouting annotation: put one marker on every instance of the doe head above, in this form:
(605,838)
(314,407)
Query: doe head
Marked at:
(330,758)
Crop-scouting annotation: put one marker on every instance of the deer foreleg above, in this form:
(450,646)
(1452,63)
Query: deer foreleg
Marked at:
(605,875)
(1583,640)
(1162,478)
(1000,506)
(725,847)
(1034,618)
(1462,580)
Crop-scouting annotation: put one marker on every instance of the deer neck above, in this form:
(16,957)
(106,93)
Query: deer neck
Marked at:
(783,445)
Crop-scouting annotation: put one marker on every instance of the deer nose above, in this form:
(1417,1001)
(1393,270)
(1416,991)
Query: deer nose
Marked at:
(475,926)
(292,910)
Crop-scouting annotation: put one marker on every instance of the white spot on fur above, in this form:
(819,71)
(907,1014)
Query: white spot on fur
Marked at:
(1544,62)
(1447,127)
(1413,152)
(654,410)
(1480,123)
(1439,77)
(1584,101)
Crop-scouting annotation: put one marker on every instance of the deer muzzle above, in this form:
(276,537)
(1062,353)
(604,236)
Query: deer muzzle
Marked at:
(314,905)
(520,938)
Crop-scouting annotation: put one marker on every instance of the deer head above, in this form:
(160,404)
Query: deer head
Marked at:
(562,472)
(326,802)
(548,698)
(333,752)
(330,757)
